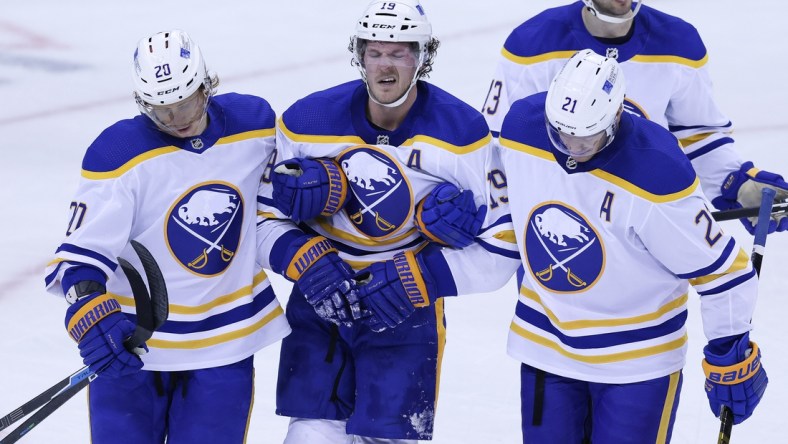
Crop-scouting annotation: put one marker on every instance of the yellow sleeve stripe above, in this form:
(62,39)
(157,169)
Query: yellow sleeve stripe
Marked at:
(604,175)
(199,309)
(600,359)
(671,59)
(94,175)
(528,149)
(687,141)
(55,261)
(352,139)
(506,236)
(636,190)
(742,262)
(123,169)
(255,134)
(456,149)
(219,339)
(537,58)
(617,322)
(532,60)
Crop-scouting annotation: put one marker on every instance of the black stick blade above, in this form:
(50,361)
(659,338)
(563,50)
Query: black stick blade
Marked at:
(158,287)
(142,303)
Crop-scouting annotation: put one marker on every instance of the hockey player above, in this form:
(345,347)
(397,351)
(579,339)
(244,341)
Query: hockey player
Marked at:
(666,63)
(612,226)
(181,178)
(355,160)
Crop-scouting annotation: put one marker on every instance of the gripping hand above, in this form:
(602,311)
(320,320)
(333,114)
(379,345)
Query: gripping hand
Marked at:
(743,189)
(449,216)
(99,327)
(306,188)
(325,280)
(734,376)
(391,290)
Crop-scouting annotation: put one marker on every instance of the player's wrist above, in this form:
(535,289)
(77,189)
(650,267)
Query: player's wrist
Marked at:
(82,290)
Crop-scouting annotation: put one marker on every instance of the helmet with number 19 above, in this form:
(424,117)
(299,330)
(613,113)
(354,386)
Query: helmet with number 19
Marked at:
(172,85)
(584,103)
(394,22)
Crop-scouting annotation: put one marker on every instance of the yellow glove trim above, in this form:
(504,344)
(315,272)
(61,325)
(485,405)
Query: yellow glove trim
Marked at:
(307,255)
(736,373)
(423,228)
(92,312)
(410,275)
(337,187)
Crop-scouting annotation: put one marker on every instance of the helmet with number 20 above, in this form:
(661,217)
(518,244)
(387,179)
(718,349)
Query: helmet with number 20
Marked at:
(169,69)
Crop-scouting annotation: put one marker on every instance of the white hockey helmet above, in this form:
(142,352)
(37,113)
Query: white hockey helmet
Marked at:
(395,21)
(609,18)
(168,68)
(583,104)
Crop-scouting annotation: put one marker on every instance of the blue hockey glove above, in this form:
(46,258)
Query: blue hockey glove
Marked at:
(743,189)
(734,376)
(449,216)
(391,290)
(99,327)
(306,188)
(326,281)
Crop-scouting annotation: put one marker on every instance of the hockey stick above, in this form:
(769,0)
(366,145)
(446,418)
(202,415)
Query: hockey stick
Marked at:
(152,312)
(738,213)
(758,249)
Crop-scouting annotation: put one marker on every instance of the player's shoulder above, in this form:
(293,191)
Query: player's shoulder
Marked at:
(669,35)
(322,112)
(543,33)
(121,142)
(524,123)
(245,112)
(448,118)
(649,161)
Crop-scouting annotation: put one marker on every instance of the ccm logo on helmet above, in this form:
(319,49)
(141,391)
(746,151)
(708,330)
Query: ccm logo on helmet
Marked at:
(383,26)
(161,93)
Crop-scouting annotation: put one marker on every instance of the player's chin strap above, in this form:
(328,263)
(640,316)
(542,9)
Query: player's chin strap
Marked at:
(404,96)
(610,18)
(395,103)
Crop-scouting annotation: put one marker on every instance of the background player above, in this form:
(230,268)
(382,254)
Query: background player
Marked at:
(666,63)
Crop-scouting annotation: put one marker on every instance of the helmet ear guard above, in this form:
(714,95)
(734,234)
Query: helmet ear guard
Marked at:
(584,100)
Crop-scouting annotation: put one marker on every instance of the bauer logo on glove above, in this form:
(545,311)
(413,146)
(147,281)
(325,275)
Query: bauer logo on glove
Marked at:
(734,374)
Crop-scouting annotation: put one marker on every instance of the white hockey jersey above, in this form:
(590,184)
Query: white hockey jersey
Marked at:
(665,64)
(389,172)
(609,247)
(192,203)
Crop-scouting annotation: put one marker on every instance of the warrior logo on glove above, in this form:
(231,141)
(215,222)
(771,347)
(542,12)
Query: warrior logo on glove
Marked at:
(381,200)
